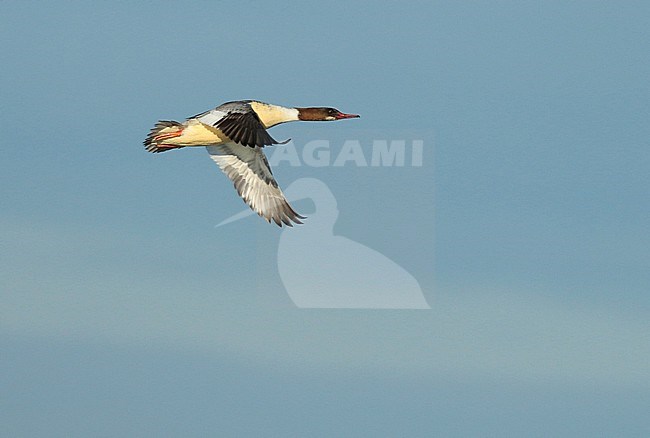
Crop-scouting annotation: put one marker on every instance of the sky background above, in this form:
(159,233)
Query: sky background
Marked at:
(125,312)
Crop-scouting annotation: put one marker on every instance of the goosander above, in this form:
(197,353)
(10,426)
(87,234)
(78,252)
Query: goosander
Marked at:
(234,134)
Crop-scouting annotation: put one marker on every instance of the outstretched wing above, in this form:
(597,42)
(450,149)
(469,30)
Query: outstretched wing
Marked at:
(249,170)
(240,123)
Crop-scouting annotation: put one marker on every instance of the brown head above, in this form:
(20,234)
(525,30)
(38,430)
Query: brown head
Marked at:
(323,114)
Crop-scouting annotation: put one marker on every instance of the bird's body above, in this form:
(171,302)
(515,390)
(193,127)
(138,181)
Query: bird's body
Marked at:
(234,134)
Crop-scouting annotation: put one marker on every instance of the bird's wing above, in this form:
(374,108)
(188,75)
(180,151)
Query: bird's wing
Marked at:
(249,170)
(240,123)
(210,118)
(245,128)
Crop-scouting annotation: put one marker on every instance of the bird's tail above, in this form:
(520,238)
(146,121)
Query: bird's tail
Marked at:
(162,130)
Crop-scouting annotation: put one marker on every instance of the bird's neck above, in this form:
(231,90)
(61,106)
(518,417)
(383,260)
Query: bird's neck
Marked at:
(272,115)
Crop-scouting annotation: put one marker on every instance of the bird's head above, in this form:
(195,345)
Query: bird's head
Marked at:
(318,114)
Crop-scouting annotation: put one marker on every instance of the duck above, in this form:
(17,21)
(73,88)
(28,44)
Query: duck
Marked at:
(235,134)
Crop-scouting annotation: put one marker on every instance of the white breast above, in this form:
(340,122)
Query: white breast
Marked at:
(272,115)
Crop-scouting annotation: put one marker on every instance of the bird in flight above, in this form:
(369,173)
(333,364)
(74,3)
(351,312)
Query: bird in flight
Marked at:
(234,135)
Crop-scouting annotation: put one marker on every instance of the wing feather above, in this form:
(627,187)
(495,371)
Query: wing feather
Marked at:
(251,175)
(242,125)
(239,122)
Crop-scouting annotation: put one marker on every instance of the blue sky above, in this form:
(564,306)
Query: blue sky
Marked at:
(125,312)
